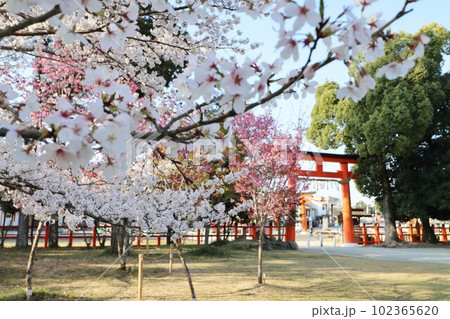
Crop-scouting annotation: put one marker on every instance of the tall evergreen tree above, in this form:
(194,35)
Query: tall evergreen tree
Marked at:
(388,124)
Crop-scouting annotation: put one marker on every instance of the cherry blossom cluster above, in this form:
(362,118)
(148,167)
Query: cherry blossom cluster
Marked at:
(268,163)
(123,45)
(139,197)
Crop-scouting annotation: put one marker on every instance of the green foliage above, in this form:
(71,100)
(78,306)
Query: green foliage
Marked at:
(328,118)
(400,129)
(423,178)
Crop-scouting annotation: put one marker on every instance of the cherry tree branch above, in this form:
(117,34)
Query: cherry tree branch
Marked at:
(29,22)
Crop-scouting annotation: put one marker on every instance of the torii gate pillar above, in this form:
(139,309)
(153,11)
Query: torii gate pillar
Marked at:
(304,221)
(349,234)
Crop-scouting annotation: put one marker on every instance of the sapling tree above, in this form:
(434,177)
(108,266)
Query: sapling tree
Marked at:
(268,159)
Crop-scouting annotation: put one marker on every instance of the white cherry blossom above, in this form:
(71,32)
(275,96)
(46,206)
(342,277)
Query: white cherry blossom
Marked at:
(302,14)
(394,70)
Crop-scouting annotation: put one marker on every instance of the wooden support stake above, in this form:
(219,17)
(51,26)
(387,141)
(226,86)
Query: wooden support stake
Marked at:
(140,275)
(170,259)
(94,237)
(198,237)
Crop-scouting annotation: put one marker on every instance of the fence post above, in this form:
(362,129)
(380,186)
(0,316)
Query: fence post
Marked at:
(377,234)
(158,241)
(236,235)
(253,231)
(364,235)
(140,275)
(198,237)
(47,233)
(70,238)
(421,233)
(444,233)
(139,238)
(270,231)
(244,232)
(94,236)
(400,232)
(411,235)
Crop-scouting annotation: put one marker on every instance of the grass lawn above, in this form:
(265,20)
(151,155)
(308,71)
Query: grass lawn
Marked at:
(220,273)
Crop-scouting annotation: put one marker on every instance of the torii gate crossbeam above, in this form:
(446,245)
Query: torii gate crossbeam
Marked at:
(344,175)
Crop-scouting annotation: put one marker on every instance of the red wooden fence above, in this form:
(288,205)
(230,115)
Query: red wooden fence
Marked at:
(93,235)
(364,235)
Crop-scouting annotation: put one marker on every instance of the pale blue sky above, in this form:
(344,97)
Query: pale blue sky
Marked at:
(289,111)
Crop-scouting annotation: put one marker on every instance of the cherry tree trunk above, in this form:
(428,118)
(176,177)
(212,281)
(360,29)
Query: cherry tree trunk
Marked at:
(54,228)
(4,232)
(31,259)
(186,271)
(260,250)
(114,237)
(169,236)
(22,231)
(122,246)
(207,234)
(218,231)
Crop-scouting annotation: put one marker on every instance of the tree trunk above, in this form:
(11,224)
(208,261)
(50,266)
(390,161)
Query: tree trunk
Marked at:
(169,236)
(186,271)
(4,231)
(22,231)
(101,237)
(217,231)
(114,237)
(207,234)
(31,259)
(54,227)
(122,244)
(428,233)
(391,236)
(260,250)
(279,228)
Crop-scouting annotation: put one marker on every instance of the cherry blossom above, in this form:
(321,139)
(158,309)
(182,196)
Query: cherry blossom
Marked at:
(309,87)
(394,70)
(136,195)
(7,94)
(374,50)
(290,47)
(106,60)
(302,14)
(351,91)
(91,5)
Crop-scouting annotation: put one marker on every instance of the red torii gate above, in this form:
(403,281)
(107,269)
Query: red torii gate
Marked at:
(344,175)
